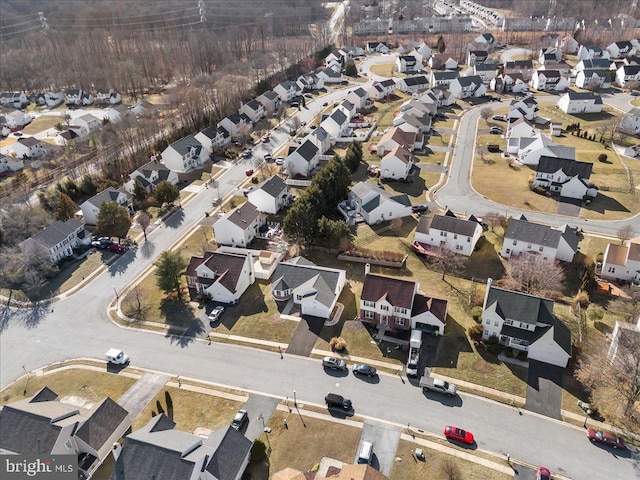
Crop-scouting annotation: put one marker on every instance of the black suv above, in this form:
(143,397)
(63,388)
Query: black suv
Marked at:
(337,401)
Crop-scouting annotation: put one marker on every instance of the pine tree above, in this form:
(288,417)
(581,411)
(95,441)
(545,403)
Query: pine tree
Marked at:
(66,208)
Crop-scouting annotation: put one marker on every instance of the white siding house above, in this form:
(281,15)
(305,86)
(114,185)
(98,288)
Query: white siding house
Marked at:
(58,239)
(450,232)
(271,196)
(185,154)
(580,102)
(240,226)
(90,208)
(396,164)
(552,243)
(622,262)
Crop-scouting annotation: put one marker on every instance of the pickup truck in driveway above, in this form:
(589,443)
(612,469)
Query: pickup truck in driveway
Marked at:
(437,385)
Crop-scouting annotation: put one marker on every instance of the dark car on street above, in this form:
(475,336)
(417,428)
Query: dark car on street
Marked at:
(364,369)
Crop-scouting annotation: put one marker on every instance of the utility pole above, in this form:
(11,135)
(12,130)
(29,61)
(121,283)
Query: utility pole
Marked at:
(43,22)
(203,12)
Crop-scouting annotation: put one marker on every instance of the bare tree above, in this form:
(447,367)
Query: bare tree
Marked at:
(625,233)
(136,304)
(485,113)
(531,273)
(450,469)
(494,219)
(627,306)
(448,261)
(144,220)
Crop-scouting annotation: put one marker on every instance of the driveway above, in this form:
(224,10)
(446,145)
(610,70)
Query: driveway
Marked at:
(384,439)
(569,206)
(259,410)
(544,389)
(305,336)
(142,392)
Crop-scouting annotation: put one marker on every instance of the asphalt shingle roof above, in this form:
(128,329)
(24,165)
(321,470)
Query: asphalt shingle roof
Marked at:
(571,168)
(184,145)
(396,291)
(102,423)
(521,307)
(56,233)
(533,233)
(274,186)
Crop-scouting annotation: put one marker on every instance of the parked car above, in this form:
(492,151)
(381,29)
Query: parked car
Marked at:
(239,420)
(266,139)
(303,124)
(249,172)
(496,131)
(364,369)
(237,144)
(606,438)
(246,154)
(337,401)
(280,161)
(635,94)
(325,104)
(313,127)
(499,118)
(268,157)
(457,434)
(216,313)
(334,363)
(116,248)
(248,190)
(543,473)
(419,208)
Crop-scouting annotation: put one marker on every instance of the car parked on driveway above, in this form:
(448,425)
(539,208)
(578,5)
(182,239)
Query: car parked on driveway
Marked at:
(215,314)
(496,131)
(499,118)
(116,248)
(237,144)
(543,473)
(334,363)
(458,434)
(364,369)
(239,420)
(606,438)
(248,190)
(280,161)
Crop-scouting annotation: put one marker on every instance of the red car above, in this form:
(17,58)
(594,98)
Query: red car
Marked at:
(266,139)
(455,433)
(238,144)
(249,172)
(543,473)
(116,248)
(606,438)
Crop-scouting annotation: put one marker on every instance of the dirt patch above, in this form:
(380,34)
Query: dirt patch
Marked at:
(482,366)
(354,325)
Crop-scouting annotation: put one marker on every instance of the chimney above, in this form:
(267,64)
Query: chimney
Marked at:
(367,268)
(486,294)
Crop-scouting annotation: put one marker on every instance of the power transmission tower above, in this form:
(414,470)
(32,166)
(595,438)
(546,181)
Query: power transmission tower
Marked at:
(43,22)
(203,12)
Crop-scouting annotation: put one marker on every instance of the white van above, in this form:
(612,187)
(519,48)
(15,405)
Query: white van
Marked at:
(117,357)
(366,450)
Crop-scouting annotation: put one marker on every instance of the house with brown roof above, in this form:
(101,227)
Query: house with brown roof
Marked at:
(396,164)
(222,276)
(396,304)
(622,262)
(399,137)
(240,226)
(450,232)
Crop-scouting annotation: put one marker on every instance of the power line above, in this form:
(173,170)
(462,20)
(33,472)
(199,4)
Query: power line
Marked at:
(19,24)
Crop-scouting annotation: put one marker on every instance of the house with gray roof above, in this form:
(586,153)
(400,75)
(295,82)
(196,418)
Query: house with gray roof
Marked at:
(90,208)
(593,78)
(10,164)
(304,160)
(373,204)
(150,175)
(46,425)
(254,110)
(271,101)
(589,52)
(314,289)
(527,323)
(222,276)
(159,451)
(320,138)
(237,124)
(17,100)
(213,138)
(337,123)
(360,98)
(287,90)
(391,303)
(523,67)
(413,83)
(271,196)
(383,89)
(58,240)
(240,226)
(566,177)
(448,231)
(331,74)
(621,49)
(185,154)
(467,87)
(442,78)
(551,243)
(574,102)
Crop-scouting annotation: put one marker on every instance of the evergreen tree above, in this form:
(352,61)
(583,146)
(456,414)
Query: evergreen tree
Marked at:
(169,268)
(66,208)
(113,220)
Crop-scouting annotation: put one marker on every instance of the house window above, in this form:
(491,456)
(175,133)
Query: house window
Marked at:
(455,236)
(496,323)
(541,248)
(488,322)
(611,270)
(468,239)
(486,333)
(384,308)
(459,247)
(401,310)
(400,322)
(515,242)
(368,315)
(367,303)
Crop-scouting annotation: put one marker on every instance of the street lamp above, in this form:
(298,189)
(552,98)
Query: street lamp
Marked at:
(295,401)
(116,292)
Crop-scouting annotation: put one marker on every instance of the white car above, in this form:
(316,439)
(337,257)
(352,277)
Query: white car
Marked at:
(280,161)
(216,313)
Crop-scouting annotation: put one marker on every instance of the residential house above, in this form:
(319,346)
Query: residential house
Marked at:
(287,90)
(396,304)
(360,98)
(563,67)
(88,123)
(622,262)
(254,110)
(313,288)
(520,127)
(450,232)
(442,78)
(335,58)
(508,82)
(63,138)
(213,138)
(589,52)
(568,45)
(304,160)
(549,81)
(593,79)
(524,107)
(593,64)
(58,240)
(310,82)
(377,47)
(15,120)
(417,119)
(10,164)
(108,97)
(476,56)
(486,39)
(442,61)
(346,107)
(159,451)
(422,52)
(550,40)
(523,67)
(78,98)
(90,208)
(46,425)
(552,243)
(145,109)
(399,136)
(337,123)
(383,89)
(440,96)
(580,102)
(271,101)
(224,277)
(467,87)
(397,164)
(531,149)
(185,154)
(237,124)
(16,100)
(271,196)
(487,71)
(626,74)
(413,83)
(117,113)
(240,226)
(621,49)
(565,176)
(375,204)
(320,138)
(28,147)
(331,74)
(630,122)
(527,323)
(549,55)
(50,99)
(624,334)
(150,175)
(633,151)
(406,63)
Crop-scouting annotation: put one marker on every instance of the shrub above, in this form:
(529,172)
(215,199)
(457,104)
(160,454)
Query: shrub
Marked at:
(539,190)
(494,348)
(581,298)
(338,344)
(476,313)
(475,332)
(258,450)
(602,157)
